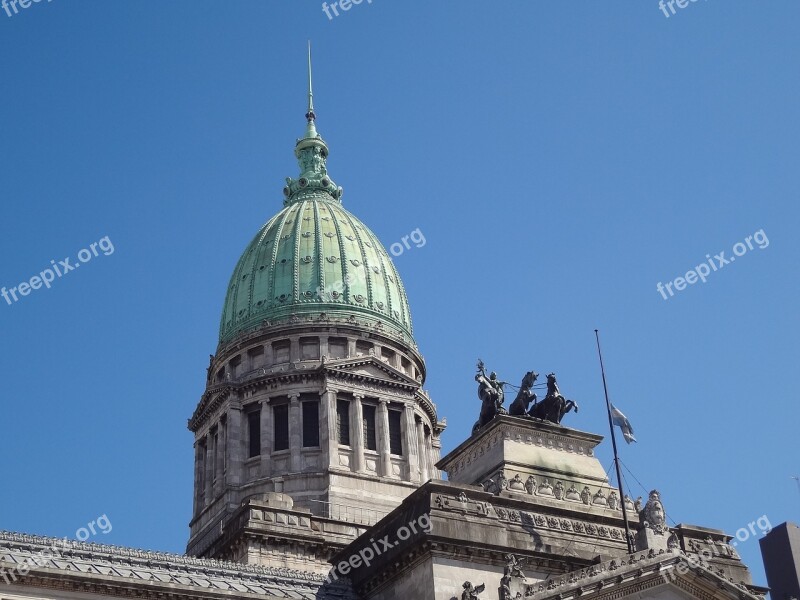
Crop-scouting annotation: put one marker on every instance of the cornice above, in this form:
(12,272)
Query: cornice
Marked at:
(624,577)
(323,373)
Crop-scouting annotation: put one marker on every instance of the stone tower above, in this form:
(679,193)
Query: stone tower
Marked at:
(314,423)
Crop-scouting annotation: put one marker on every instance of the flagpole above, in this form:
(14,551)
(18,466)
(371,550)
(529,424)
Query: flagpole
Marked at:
(614,444)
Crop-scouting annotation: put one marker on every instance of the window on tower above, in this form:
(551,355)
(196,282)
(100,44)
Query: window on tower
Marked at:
(388,356)
(370,439)
(337,347)
(256,357)
(280,352)
(309,348)
(254,432)
(395,432)
(280,417)
(311,424)
(343,422)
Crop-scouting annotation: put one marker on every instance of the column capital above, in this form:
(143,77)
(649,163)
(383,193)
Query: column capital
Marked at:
(264,401)
(294,397)
(384,401)
(358,396)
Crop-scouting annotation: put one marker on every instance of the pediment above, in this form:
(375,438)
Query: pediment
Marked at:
(673,575)
(372,369)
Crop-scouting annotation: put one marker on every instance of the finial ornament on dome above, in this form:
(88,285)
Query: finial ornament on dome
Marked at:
(312,154)
(310,116)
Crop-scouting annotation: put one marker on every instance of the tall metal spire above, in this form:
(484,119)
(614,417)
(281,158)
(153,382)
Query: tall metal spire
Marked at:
(312,154)
(311,130)
(310,114)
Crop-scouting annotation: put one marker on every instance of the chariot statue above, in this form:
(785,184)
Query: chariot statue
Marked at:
(554,406)
(491,395)
(519,407)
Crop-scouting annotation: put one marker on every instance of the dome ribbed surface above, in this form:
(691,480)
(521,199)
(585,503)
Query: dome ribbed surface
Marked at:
(310,259)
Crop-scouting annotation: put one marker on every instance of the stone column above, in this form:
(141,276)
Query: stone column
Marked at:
(234,448)
(294,349)
(328,441)
(219,485)
(266,438)
(209,470)
(436,455)
(198,476)
(382,427)
(323,346)
(351,348)
(357,433)
(269,356)
(410,439)
(423,454)
(295,432)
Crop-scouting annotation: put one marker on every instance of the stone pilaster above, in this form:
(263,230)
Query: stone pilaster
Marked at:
(234,446)
(198,478)
(209,470)
(423,453)
(266,438)
(219,452)
(436,455)
(410,440)
(357,433)
(328,441)
(383,437)
(269,355)
(295,431)
(294,349)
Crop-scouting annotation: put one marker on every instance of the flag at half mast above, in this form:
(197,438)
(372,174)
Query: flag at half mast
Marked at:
(623,423)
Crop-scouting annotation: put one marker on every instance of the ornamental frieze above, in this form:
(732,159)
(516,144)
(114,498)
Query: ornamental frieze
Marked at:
(462,504)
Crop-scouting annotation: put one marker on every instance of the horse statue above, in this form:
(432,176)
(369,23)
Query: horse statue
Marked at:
(519,407)
(491,395)
(554,406)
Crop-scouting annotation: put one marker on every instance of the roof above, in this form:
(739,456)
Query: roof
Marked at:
(113,570)
(314,259)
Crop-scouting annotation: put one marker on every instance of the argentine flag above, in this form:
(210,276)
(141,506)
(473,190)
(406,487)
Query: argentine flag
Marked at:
(622,422)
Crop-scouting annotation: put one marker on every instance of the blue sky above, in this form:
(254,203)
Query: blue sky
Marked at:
(560,158)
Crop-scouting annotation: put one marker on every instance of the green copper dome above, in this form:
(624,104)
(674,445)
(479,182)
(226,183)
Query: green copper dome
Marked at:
(314,261)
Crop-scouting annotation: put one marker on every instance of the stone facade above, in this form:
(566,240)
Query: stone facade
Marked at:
(312,368)
(486,520)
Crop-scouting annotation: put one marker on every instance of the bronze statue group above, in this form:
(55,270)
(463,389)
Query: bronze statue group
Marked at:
(491,393)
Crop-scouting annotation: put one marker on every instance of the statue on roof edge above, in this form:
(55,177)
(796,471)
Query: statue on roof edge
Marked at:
(491,395)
